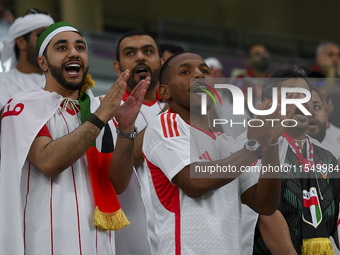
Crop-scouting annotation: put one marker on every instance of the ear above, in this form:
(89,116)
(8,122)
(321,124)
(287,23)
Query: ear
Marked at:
(116,67)
(21,42)
(164,92)
(42,63)
(162,61)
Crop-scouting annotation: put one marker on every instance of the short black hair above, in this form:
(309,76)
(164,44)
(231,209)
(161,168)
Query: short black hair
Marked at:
(170,47)
(16,48)
(165,66)
(313,89)
(130,34)
(280,76)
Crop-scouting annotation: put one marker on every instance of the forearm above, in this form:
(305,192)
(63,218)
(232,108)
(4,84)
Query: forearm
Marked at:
(138,157)
(275,234)
(196,187)
(121,165)
(265,197)
(53,157)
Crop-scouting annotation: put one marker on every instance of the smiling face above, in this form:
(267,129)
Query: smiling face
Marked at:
(318,124)
(66,60)
(177,88)
(140,55)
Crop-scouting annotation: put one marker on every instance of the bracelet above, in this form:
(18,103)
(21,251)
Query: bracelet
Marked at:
(131,135)
(274,144)
(95,121)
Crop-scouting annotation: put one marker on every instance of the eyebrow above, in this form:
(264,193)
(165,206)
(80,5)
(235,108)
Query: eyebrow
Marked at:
(61,41)
(136,48)
(189,65)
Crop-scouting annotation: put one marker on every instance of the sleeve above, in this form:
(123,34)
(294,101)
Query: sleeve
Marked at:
(44,132)
(170,153)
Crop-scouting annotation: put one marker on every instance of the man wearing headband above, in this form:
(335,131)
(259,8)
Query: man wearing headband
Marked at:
(19,56)
(60,166)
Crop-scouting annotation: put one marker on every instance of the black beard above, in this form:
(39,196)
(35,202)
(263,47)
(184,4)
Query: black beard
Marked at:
(57,73)
(132,83)
(321,134)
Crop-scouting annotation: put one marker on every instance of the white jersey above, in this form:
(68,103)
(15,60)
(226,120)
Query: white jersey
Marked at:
(58,212)
(210,224)
(14,82)
(133,239)
(332,140)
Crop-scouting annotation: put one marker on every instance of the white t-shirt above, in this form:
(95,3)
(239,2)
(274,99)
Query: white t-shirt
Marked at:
(332,140)
(14,82)
(210,224)
(58,212)
(134,239)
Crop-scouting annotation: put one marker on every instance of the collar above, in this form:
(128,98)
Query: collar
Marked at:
(210,133)
(158,98)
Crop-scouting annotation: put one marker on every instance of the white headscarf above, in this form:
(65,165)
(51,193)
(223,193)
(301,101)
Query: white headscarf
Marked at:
(20,27)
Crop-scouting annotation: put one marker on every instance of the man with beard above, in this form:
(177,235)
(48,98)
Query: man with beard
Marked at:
(310,194)
(59,168)
(19,55)
(138,52)
(321,130)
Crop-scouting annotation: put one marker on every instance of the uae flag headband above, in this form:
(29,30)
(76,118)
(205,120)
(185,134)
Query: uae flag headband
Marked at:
(51,31)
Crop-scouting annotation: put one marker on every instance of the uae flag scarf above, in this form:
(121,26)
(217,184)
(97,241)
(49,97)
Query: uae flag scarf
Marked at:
(315,239)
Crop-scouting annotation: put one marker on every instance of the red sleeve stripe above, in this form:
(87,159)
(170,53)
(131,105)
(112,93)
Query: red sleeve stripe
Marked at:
(206,152)
(169,125)
(163,126)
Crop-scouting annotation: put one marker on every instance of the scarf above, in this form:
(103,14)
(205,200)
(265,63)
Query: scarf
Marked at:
(314,231)
(108,214)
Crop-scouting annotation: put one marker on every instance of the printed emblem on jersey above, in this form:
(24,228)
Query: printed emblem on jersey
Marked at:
(16,110)
(312,214)
(205,156)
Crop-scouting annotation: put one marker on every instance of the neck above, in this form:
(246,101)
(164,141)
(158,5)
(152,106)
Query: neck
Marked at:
(296,134)
(197,120)
(53,86)
(27,68)
(150,95)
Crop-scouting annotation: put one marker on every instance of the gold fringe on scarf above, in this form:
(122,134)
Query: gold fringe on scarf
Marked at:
(110,221)
(320,246)
(89,83)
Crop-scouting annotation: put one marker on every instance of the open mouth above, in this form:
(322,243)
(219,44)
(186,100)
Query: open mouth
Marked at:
(72,69)
(313,123)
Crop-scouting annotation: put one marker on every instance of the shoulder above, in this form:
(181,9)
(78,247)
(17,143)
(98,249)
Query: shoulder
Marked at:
(168,125)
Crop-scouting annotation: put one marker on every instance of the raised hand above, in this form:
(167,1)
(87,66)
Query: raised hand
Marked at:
(111,102)
(128,111)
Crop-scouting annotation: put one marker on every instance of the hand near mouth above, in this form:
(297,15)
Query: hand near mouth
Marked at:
(128,111)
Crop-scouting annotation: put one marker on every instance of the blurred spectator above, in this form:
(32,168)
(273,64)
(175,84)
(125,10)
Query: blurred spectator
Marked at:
(167,50)
(327,58)
(20,55)
(215,66)
(6,19)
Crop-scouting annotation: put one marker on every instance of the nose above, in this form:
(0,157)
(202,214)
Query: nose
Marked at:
(140,55)
(73,52)
(198,73)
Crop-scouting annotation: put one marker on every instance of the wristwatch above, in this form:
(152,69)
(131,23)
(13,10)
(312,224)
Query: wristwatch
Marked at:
(131,135)
(253,145)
